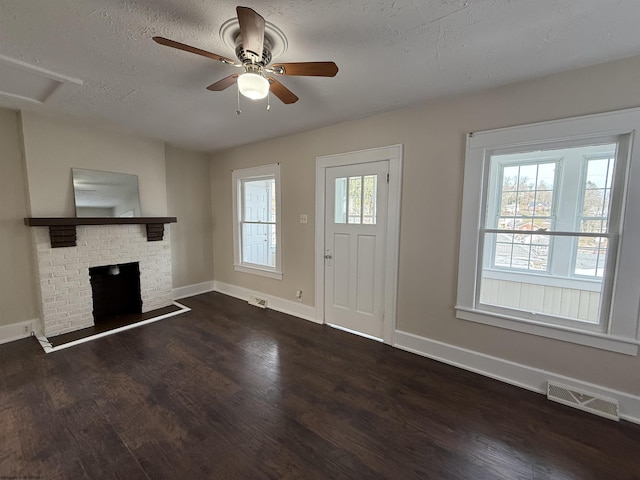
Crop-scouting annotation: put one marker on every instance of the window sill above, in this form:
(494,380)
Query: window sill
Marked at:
(601,341)
(258,271)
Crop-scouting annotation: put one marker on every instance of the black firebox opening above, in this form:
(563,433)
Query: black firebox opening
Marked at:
(116,290)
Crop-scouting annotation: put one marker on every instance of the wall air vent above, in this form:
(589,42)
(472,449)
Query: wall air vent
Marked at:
(258,302)
(589,402)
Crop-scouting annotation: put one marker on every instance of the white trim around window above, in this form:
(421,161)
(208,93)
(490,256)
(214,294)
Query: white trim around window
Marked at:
(618,328)
(271,265)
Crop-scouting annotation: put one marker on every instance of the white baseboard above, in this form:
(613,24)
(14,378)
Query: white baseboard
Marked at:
(191,290)
(530,378)
(274,303)
(16,331)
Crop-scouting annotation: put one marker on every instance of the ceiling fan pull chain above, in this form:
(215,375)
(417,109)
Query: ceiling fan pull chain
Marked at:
(268,100)
(238,111)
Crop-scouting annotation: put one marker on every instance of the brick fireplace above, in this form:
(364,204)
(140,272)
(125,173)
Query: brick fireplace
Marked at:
(63,273)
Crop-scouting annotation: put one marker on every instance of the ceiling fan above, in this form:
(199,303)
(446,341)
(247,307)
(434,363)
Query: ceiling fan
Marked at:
(253,50)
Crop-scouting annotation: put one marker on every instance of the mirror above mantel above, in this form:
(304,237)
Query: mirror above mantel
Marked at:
(100,194)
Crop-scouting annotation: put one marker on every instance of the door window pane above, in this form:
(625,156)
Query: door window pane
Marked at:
(355,200)
(370,195)
(340,201)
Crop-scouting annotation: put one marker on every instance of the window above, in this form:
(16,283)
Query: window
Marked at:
(522,203)
(542,248)
(357,196)
(535,226)
(593,216)
(256,209)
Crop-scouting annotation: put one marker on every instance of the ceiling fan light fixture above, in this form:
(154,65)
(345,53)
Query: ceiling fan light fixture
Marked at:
(253,86)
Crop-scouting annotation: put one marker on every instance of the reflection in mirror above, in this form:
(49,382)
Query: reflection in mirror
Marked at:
(105,194)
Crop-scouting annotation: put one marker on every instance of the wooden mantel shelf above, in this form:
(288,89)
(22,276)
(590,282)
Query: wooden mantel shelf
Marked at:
(54,221)
(62,230)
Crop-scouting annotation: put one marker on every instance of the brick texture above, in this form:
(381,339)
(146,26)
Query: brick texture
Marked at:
(65,290)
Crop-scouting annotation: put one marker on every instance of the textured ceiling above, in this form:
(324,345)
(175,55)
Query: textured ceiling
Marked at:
(391,54)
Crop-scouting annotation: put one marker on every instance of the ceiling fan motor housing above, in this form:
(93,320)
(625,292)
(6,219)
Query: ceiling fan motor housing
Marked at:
(249,57)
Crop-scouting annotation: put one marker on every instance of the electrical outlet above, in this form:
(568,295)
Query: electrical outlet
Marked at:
(299,295)
(303,218)
(26,329)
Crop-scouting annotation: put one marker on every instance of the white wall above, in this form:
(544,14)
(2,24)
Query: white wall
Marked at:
(189,199)
(18,300)
(54,147)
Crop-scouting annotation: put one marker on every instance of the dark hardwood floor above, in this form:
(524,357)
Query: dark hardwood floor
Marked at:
(229,391)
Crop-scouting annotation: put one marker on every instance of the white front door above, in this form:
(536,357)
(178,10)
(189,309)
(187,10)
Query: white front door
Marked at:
(354,246)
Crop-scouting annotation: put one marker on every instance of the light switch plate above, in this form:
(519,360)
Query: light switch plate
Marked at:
(303,218)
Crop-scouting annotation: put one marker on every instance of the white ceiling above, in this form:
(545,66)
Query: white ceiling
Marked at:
(391,54)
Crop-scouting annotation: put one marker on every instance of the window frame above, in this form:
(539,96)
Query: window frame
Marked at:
(489,260)
(239,178)
(621,332)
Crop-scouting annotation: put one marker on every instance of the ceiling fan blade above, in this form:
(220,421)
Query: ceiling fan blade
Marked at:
(226,82)
(190,49)
(252,31)
(283,93)
(308,69)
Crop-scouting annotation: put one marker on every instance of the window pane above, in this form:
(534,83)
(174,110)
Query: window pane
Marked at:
(508,203)
(597,188)
(597,173)
(370,196)
(524,251)
(594,201)
(593,226)
(355,199)
(259,200)
(503,254)
(526,190)
(506,223)
(546,176)
(591,256)
(259,244)
(607,198)
(539,258)
(544,203)
(340,205)
(524,224)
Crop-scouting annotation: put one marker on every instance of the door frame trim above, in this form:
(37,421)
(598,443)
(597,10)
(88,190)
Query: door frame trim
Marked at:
(394,155)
